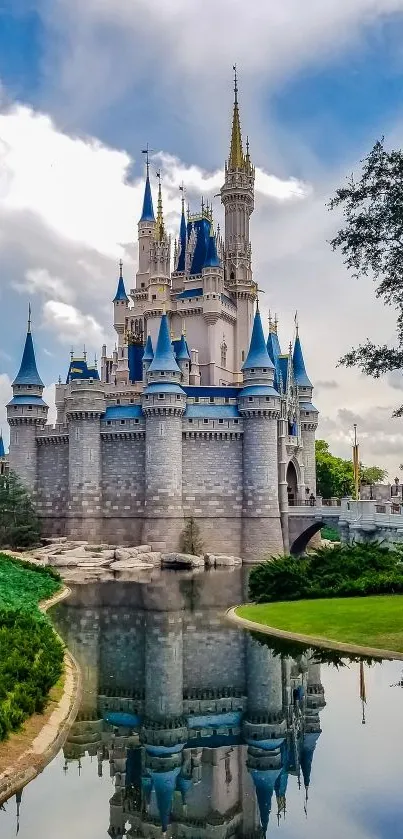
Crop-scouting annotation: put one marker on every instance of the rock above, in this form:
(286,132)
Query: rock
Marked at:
(177,560)
(153,556)
(122,553)
(98,548)
(221,559)
(143,549)
(209,560)
(94,562)
(77,552)
(59,560)
(126,564)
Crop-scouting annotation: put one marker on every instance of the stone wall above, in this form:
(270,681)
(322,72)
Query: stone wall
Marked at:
(52,480)
(123,483)
(212,490)
(213,656)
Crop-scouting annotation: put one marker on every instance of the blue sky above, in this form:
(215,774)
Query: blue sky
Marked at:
(85,85)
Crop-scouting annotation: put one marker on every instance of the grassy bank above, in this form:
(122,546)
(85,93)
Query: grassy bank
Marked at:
(367,621)
(31,656)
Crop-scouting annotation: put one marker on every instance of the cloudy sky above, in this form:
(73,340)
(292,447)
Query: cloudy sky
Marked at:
(83,87)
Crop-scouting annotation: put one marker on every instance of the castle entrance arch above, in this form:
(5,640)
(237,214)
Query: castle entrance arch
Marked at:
(292,484)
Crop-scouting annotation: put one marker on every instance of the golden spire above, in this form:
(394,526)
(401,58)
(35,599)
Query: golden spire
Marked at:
(159,228)
(236,155)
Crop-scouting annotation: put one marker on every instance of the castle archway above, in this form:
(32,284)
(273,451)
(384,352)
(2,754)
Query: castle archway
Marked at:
(292,484)
(299,544)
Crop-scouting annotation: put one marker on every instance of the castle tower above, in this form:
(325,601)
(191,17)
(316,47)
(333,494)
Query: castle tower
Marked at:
(308,415)
(146,231)
(183,359)
(26,414)
(237,196)
(163,403)
(85,404)
(120,312)
(213,287)
(259,404)
(148,356)
(160,259)
(180,264)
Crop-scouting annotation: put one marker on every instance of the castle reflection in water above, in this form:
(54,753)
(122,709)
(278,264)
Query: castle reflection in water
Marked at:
(202,726)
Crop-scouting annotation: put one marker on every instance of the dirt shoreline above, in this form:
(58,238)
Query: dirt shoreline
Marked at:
(325,643)
(29,759)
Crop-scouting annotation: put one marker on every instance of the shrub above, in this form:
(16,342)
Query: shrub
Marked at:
(330,534)
(191,542)
(19,524)
(339,571)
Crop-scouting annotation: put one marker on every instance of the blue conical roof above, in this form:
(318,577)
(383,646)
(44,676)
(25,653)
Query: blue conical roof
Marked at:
(2,449)
(257,355)
(148,209)
(274,350)
(28,372)
(164,359)
(182,241)
(264,781)
(164,784)
(212,260)
(120,291)
(300,373)
(183,785)
(182,353)
(308,748)
(148,354)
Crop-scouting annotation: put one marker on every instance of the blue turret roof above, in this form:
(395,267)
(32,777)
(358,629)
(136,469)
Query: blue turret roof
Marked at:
(78,369)
(148,209)
(202,230)
(164,784)
(257,355)
(2,449)
(148,354)
(308,748)
(274,350)
(182,351)
(164,359)
(183,785)
(28,372)
(264,781)
(182,241)
(300,373)
(120,291)
(212,260)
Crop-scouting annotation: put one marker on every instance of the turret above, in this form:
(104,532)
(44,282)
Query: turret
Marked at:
(237,196)
(160,257)
(26,414)
(213,287)
(148,356)
(121,309)
(181,260)
(163,403)
(183,359)
(146,231)
(308,415)
(259,404)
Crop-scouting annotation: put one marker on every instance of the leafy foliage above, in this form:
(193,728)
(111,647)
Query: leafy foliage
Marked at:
(330,534)
(371,243)
(335,476)
(19,524)
(191,542)
(339,571)
(31,655)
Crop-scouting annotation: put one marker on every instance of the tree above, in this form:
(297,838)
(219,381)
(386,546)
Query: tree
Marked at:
(371,242)
(191,542)
(19,524)
(335,476)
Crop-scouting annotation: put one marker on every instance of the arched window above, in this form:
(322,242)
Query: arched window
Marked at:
(224,354)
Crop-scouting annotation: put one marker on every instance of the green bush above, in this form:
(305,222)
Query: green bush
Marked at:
(330,534)
(31,655)
(19,524)
(339,571)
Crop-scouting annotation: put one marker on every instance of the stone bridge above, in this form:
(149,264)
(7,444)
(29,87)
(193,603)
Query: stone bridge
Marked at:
(356,521)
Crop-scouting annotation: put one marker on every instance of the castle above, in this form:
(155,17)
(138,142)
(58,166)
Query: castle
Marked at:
(195,413)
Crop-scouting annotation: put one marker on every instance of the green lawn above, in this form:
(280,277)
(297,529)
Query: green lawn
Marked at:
(366,621)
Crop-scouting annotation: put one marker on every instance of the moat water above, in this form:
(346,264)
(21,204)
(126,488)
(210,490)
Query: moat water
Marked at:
(191,728)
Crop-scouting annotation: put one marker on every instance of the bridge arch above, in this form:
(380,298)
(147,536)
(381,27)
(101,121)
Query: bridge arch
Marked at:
(292,483)
(300,544)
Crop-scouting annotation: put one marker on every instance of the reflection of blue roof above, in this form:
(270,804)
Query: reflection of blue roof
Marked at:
(281,784)
(190,292)
(148,209)
(258,390)
(257,355)
(266,745)
(163,387)
(183,785)
(264,781)
(28,372)
(228,718)
(118,412)
(300,374)
(218,392)
(211,411)
(2,449)
(164,359)
(120,718)
(148,354)
(164,751)
(308,748)
(28,400)
(164,784)
(307,406)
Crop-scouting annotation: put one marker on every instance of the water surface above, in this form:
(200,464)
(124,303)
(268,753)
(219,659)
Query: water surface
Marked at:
(193,728)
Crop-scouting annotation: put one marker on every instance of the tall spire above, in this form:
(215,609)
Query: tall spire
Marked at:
(236,156)
(182,235)
(28,372)
(159,230)
(258,355)
(148,209)
(164,359)
(300,374)
(120,291)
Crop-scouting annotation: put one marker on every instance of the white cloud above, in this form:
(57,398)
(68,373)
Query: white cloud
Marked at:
(40,280)
(71,325)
